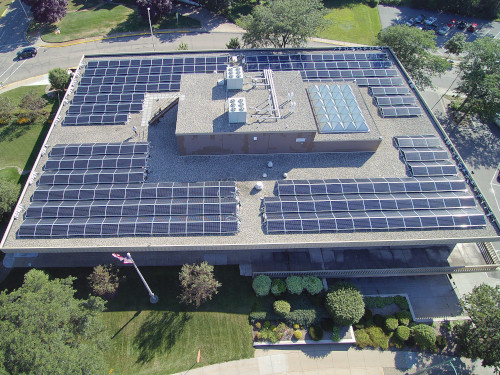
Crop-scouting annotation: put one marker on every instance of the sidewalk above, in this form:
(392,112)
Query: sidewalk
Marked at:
(337,360)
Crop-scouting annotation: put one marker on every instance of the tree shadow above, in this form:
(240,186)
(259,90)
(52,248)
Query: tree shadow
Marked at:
(133,22)
(159,333)
(412,362)
(342,3)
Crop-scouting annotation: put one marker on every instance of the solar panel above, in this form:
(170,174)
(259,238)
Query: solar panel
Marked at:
(432,168)
(128,226)
(160,190)
(395,81)
(108,98)
(94,108)
(370,185)
(133,207)
(95,176)
(395,100)
(368,202)
(80,149)
(385,91)
(401,111)
(323,222)
(417,141)
(424,154)
(96,162)
(94,119)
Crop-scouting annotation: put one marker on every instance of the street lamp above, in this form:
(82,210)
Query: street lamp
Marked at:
(152,297)
(151,28)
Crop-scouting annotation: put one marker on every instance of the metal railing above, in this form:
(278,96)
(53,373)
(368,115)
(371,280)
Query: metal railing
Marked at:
(488,252)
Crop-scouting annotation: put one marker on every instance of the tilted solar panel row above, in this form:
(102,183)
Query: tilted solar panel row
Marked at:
(108,98)
(396,81)
(159,190)
(253,67)
(96,162)
(124,148)
(424,154)
(94,108)
(312,74)
(325,222)
(432,168)
(133,207)
(97,176)
(128,226)
(102,119)
(400,111)
(128,88)
(368,202)
(316,57)
(370,185)
(176,69)
(113,80)
(417,141)
(158,62)
(385,91)
(395,100)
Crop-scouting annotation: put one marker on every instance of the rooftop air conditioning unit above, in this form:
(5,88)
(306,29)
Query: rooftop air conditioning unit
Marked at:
(234,78)
(237,110)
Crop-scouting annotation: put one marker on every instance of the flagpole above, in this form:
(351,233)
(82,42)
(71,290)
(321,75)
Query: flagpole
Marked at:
(152,297)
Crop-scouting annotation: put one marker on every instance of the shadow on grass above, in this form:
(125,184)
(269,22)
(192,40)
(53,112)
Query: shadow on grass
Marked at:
(343,3)
(133,22)
(159,333)
(126,324)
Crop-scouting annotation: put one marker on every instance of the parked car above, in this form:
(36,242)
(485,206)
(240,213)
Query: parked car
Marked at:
(462,25)
(26,52)
(451,23)
(420,19)
(443,30)
(430,21)
(472,28)
(410,22)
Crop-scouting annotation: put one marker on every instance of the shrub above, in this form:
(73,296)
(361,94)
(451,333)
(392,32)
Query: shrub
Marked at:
(378,337)
(345,304)
(22,119)
(367,316)
(303,317)
(258,325)
(234,43)
(335,334)
(402,333)
(104,281)
(391,323)
(267,324)
(388,300)
(379,320)
(294,284)
(296,326)
(373,3)
(182,46)
(312,284)
(424,335)
(278,287)
(269,335)
(261,285)
(327,324)
(402,302)
(280,330)
(441,342)
(362,338)
(272,327)
(281,307)
(404,317)
(258,315)
(316,333)
(297,335)
(6,110)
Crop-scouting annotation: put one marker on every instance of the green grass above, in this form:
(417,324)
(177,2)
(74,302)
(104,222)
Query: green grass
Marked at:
(4,4)
(351,21)
(10,174)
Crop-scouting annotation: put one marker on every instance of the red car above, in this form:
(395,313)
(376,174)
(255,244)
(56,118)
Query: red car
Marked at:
(472,27)
(451,23)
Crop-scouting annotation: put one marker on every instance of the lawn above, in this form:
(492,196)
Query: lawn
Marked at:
(4,4)
(19,144)
(351,21)
(85,20)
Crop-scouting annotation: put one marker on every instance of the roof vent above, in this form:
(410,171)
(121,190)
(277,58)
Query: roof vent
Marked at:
(234,78)
(237,110)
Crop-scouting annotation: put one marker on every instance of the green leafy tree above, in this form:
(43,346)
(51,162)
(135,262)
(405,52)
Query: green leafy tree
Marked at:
(59,79)
(234,43)
(283,23)
(32,105)
(198,283)
(104,281)
(479,337)
(456,44)
(480,78)
(414,48)
(46,330)
(6,110)
(345,304)
(9,192)
(261,285)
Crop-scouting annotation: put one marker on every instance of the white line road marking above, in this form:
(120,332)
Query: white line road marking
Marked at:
(496,35)
(492,184)
(15,70)
(6,70)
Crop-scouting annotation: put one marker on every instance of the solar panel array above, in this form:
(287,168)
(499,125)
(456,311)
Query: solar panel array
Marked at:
(424,155)
(389,204)
(98,190)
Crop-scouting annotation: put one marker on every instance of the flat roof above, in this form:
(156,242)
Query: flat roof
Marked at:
(166,164)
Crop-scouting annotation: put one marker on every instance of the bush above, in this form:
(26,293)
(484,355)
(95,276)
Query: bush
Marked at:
(234,43)
(297,335)
(258,325)
(402,302)
(327,324)
(372,336)
(267,324)
(312,284)
(404,317)
(362,338)
(303,317)
(294,284)
(402,333)
(104,281)
(296,326)
(182,46)
(6,110)
(441,342)
(373,3)
(261,285)
(379,320)
(345,304)
(268,335)
(367,316)
(391,323)
(280,330)
(281,307)
(316,333)
(424,335)
(278,287)
(335,334)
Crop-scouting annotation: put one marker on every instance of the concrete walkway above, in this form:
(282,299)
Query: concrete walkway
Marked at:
(337,360)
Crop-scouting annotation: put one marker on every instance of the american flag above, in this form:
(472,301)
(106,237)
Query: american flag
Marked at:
(125,260)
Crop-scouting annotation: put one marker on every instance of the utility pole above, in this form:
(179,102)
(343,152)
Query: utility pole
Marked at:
(151,29)
(152,297)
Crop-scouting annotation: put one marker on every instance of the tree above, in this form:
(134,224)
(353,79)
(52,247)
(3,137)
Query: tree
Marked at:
(345,304)
(9,191)
(32,105)
(59,79)
(104,281)
(456,44)
(413,48)
(479,337)
(46,330)
(6,110)
(234,43)
(283,23)
(480,78)
(157,9)
(47,11)
(198,283)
